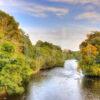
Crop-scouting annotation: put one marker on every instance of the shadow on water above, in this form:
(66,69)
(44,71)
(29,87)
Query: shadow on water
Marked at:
(91,88)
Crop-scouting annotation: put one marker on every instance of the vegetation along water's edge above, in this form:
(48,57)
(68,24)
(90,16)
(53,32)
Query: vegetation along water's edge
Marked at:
(90,55)
(20,59)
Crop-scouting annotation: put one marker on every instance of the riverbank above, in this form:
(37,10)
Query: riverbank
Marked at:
(58,84)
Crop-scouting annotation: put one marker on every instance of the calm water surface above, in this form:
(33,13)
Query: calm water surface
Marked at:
(62,84)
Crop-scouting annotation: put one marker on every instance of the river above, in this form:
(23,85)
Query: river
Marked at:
(62,84)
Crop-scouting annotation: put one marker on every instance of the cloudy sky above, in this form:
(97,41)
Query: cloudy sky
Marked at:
(62,22)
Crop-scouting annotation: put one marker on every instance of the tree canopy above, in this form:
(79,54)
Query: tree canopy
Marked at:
(90,51)
(19,59)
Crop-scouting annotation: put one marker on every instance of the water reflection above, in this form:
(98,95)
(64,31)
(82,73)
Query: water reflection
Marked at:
(91,88)
(56,88)
(63,88)
(58,84)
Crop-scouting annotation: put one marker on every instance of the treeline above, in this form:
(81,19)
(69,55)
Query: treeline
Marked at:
(48,55)
(16,54)
(72,54)
(19,59)
(90,54)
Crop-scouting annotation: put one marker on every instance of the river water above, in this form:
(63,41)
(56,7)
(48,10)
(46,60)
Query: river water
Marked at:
(62,84)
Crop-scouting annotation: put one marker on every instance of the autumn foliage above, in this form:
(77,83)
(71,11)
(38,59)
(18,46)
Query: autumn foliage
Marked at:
(90,51)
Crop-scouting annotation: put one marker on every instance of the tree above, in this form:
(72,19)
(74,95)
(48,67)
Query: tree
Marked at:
(90,51)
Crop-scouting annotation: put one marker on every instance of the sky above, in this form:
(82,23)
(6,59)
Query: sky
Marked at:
(62,22)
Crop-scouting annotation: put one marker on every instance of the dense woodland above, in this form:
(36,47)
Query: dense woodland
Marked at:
(90,51)
(15,57)
(19,59)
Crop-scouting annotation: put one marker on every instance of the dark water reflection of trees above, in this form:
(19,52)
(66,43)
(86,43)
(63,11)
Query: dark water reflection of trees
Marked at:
(83,89)
(91,88)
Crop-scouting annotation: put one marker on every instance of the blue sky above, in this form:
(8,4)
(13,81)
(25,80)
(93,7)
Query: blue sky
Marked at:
(62,22)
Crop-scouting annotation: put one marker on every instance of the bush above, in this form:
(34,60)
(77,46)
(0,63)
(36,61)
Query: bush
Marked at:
(8,47)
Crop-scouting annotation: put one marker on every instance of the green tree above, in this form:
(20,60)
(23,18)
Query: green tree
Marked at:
(90,51)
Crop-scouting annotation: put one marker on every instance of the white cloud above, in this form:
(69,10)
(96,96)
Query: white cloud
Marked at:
(89,16)
(68,37)
(1,3)
(90,8)
(40,10)
(96,2)
(33,8)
